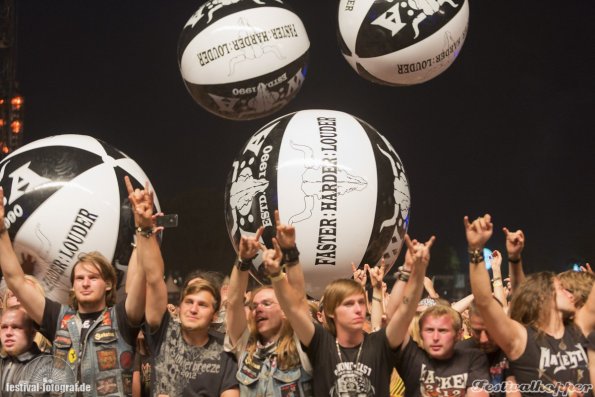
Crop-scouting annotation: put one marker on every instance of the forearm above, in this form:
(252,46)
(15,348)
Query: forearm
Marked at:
(396,295)
(151,263)
(463,304)
(377,308)
(236,316)
(11,267)
(480,283)
(398,326)
(516,273)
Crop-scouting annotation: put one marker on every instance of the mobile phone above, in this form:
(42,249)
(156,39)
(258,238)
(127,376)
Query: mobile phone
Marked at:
(169,220)
(576,267)
(487,257)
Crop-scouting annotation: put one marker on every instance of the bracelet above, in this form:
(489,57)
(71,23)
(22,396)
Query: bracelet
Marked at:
(514,261)
(377,299)
(476,256)
(291,256)
(402,269)
(145,232)
(277,277)
(403,276)
(497,283)
(496,279)
(244,264)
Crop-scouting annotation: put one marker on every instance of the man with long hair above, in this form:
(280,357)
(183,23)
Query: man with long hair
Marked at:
(270,358)
(93,335)
(546,357)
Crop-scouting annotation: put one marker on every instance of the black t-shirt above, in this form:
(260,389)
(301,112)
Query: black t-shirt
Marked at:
(49,322)
(142,365)
(334,376)
(551,366)
(180,369)
(425,376)
(498,367)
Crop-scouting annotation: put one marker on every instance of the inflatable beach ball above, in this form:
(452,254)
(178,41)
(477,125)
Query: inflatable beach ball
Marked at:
(402,42)
(332,176)
(65,195)
(243,59)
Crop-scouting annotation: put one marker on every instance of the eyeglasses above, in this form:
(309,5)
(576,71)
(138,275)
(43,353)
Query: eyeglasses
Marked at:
(264,304)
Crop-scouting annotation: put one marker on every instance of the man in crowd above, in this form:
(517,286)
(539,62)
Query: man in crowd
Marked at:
(188,360)
(93,335)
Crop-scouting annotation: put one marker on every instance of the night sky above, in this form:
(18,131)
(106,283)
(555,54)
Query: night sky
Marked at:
(508,129)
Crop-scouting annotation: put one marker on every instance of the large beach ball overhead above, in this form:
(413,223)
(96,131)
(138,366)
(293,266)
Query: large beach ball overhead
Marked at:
(243,59)
(402,42)
(332,176)
(65,195)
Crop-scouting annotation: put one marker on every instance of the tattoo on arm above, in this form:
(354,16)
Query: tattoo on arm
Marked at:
(405,300)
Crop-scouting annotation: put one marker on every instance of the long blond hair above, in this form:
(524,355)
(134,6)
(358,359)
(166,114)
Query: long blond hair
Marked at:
(286,349)
(334,294)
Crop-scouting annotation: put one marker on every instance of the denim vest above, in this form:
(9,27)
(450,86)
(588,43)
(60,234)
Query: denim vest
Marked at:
(263,379)
(102,360)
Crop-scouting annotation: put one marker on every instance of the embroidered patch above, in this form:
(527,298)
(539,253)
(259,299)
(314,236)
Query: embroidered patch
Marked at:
(107,318)
(289,390)
(106,336)
(64,322)
(71,356)
(127,383)
(62,341)
(60,361)
(126,360)
(107,359)
(106,386)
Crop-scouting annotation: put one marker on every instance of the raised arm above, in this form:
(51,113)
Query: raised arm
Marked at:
(497,280)
(403,274)
(136,290)
(149,258)
(291,301)
(238,282)
(507,333)
(515,243)
(31,299)
(397,328)
(377,310)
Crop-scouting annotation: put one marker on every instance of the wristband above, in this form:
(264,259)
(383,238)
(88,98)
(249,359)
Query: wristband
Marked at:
(497,283)
(496,279)
(145,232)
(244,264)
(291,256)
(514,261)
(377,299)
(402,269)
(277,277)
(403,276)
(476,256)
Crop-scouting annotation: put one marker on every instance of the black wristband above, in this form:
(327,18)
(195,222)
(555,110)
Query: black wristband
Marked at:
(145,232)
(244,264)
(291,256)
(514,261)
(476,256)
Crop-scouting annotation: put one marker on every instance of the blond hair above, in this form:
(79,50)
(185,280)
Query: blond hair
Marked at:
(106,271)
(286,349)
(579,284)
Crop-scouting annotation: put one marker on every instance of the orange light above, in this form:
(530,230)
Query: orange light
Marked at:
(5,149)
(2,122)
(1,101)
(17,102)
(16,126)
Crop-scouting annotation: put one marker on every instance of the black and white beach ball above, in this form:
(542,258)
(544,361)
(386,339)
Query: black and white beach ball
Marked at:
(402,42)
(243,59)
(332,176)
(65,195)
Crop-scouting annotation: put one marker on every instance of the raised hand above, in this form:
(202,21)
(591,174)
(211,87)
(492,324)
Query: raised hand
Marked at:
(360,275)
(377,274)
(479,231)
(271,259)
(419,252)
(285,233)
(249,246)
(496,260)
(142,204)
(515,242)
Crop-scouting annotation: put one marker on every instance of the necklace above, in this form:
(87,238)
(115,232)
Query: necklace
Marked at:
(358,352)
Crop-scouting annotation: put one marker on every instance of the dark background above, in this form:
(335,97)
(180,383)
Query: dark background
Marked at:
(507,129)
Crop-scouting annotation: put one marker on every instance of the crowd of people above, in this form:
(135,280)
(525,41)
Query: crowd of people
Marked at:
(533,335)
